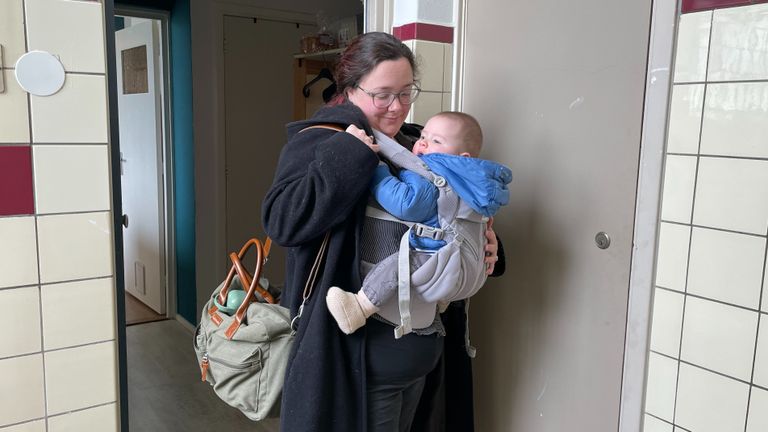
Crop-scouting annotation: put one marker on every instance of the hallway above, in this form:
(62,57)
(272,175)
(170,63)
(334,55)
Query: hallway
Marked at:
(164,389)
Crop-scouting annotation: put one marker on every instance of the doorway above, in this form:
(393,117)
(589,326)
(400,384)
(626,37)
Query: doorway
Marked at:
(142,96)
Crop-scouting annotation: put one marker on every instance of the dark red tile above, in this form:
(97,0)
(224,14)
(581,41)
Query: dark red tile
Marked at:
(16,196)
(425,32)
(689,6)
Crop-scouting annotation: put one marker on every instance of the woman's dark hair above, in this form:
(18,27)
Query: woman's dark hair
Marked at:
(362,55)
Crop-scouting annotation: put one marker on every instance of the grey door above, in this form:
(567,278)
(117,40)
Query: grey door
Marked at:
(558,87)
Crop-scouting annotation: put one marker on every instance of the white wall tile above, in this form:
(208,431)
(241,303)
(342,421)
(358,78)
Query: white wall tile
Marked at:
(78,313)
(739,46)
(446,102)
(736,120)
(24,318)
(707,402)
(14,112)
(18,251)
(726,266)
(667,322)
(80,377)
(21,394)
(76,114)
(765,286)
(672,256)
(426,106)
(679,181)
(12,32)
(719,337)
(685,118)
(660,391)
(71,178)
(104,417)
(447,67)
(692,46)
(33,426)
(71,30)
(757,420)
(75,246)
(761,357)
(730,194)
(652,424)
(430,57)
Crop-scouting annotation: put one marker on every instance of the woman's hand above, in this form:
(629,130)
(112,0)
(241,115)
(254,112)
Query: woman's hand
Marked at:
(360,134)
(491,248)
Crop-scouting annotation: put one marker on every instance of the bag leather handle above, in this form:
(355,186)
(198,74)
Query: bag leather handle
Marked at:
(239,316)
(245,277)
(330,126)
(249,280)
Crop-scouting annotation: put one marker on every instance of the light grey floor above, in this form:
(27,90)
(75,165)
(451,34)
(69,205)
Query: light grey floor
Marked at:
(165,393)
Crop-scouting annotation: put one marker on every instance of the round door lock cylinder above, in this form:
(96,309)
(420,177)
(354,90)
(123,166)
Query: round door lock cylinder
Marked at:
(603,240)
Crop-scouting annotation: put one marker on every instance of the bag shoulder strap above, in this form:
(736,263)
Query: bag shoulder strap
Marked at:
(309,285)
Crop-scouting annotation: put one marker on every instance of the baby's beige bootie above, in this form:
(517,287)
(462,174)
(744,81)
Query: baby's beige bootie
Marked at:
(442,306)
(350,310)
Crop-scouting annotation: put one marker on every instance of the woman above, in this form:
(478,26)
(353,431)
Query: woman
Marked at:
(366,381)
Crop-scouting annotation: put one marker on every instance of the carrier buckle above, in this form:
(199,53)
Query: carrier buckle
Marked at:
(428,231)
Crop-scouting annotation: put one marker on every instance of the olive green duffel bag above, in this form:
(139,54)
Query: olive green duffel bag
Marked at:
(243,341)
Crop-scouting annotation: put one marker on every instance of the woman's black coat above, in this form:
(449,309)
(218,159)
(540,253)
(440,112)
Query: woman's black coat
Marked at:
(321,185)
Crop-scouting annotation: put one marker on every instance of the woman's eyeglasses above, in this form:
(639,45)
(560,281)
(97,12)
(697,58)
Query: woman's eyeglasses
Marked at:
(385,99)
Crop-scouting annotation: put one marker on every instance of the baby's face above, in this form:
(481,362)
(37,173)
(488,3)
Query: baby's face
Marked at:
(440,135)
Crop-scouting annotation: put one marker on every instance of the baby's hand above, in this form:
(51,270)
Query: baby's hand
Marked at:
(360,134)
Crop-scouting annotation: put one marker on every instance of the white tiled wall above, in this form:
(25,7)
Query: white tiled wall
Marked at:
(18,252)
(652,424)
(70,178)
(692,47)
(435,61)
(76,114)
(708,369)
(738,47)
(13,110)
(708,402)
(685,118)
(660,392)
(758,411)
(726,266)
(736,119)
(72,30)
(58,353)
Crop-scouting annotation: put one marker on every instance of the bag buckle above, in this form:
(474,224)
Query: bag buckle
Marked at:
(428,232)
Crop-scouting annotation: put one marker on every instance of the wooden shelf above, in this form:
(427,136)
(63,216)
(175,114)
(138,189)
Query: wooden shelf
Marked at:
(319,55)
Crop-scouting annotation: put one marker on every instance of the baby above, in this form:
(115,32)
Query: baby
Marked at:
(452,136)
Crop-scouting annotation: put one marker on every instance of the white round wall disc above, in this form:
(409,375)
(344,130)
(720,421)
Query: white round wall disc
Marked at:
(40,73)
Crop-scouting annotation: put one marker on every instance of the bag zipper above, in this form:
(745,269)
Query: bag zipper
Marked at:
(207,359)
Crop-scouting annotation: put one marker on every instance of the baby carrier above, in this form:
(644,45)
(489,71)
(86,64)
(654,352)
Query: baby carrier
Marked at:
(456,271)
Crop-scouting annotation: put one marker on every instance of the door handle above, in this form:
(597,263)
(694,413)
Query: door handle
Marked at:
(125,220)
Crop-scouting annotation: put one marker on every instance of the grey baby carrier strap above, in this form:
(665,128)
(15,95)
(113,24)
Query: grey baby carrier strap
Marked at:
(443,276)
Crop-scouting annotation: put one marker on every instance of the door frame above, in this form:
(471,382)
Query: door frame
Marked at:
(169,235)
(658,91)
